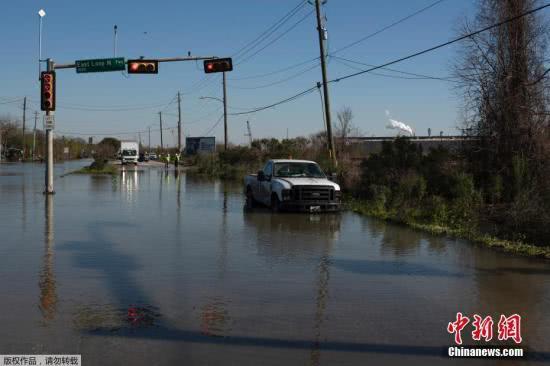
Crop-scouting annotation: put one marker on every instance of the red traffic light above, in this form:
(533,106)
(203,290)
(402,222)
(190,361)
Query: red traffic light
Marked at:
(218,65)
(47,91)
(143,66)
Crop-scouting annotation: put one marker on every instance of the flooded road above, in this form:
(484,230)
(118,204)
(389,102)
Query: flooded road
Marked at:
(157,268)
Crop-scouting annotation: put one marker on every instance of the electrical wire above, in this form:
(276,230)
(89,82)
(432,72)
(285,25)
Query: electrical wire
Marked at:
(11,101)
(307,91)
(289,99)
(277,38)
(92,109)
(388,26)
(213,127)
(276,71)
(414,76)
(298,74)
(441,45)
(205,80)
(268,32)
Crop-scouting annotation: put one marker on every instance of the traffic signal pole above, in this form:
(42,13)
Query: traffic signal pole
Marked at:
(224,112)
(179,122)
(160,121)
(49,142)
(320,30)
(34,134)
(24,121)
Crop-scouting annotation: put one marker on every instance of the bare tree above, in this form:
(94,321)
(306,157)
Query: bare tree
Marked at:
(345,127)
(505,88)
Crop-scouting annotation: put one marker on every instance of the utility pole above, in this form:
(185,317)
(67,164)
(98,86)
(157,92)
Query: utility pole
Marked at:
(24,120)
(49,139)
(34,134)
(224,112)
(160,120)
(249,134)
(179,122)
(149,141)
(321,32)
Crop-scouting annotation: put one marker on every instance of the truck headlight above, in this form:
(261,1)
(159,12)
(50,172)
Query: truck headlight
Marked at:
(286,193)
(338,195)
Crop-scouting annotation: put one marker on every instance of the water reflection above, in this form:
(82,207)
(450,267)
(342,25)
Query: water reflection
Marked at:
(292,235)
(47,284)
(110,318)
(101,183)
(297,236)
(130,184)
(215,319)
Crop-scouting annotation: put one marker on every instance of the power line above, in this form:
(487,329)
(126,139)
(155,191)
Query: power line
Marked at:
(213,127)
(441,45)
(307,91)
(300,73)
(12,101)
(388,26)
(105,109)
(268,32)
(276,71)
(296,96)
(414,76)
(205,80)
(277,38)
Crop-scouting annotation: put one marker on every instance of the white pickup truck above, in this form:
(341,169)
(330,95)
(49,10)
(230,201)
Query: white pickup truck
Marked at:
(296,185)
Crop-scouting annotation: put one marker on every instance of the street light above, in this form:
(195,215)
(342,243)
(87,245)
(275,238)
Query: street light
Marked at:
(41,14)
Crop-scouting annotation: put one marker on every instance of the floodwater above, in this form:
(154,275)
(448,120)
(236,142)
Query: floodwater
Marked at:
(157,268)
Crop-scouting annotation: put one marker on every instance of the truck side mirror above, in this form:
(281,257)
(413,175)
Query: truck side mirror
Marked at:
(261,176)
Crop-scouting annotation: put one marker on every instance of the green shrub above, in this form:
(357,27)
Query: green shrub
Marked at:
(436,211)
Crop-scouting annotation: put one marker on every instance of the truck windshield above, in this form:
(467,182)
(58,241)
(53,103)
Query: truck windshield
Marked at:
(290,170)
(129,152)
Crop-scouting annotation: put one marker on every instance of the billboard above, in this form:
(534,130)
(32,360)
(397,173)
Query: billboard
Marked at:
(200,145)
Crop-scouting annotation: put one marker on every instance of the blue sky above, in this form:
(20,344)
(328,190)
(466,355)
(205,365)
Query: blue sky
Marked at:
(76,30)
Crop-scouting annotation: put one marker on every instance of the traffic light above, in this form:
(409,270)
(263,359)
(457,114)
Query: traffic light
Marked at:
(47,91)
(218,65)
(143,67)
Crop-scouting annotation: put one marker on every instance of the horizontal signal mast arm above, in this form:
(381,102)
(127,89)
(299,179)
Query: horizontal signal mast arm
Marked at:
(165,59)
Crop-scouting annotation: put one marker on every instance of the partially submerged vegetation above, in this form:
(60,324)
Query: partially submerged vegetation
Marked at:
(98,166)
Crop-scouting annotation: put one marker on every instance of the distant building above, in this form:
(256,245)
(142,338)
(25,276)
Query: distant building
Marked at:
(200,145)
(363,146)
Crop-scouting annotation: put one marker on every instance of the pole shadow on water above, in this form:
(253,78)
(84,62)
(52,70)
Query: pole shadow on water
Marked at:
(132,306)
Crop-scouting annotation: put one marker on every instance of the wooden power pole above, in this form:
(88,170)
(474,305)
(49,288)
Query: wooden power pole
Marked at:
(321,31)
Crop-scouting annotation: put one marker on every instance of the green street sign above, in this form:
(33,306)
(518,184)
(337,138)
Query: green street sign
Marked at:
(101,65)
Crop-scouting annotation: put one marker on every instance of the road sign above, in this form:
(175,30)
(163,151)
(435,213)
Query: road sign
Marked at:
(101,65)
(49,122)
